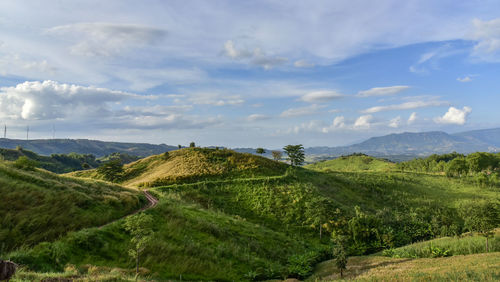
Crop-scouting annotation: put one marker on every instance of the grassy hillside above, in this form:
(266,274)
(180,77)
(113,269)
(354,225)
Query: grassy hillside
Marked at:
(40,206)
(192,165)
(357,162)
(229,216)
(478,267)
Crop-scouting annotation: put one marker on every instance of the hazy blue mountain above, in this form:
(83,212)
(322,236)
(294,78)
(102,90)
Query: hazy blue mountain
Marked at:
(418,144)
(84,146)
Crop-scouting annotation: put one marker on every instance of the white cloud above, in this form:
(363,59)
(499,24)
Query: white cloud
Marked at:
(52,100)
(431,60)
(413,117)
(454,116)
(257,117)
(107,39)
(382,91)
(395,122)
(363,122)
(256,57)
(487,35)
(303,64)
(405,106)
(467,78)
(214,99)
(321,96)
(303,111)
(337,123)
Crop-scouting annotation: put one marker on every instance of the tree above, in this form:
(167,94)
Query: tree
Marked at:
(111,170)
(25,163)
(192,145)
(140,228)
(179,146)
(260,151)
(276,155)
(295,154)
(340,254)
(481,217)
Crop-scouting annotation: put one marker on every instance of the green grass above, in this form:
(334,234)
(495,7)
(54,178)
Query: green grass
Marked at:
(353,163)
(477,267)
(197,243)
(466,244)
(39,206)
(192,165)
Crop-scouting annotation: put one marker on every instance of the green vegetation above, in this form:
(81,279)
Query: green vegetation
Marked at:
(295,154)
(228,216)
(465,244)
(478,267)
(355,162)
(190,165)
(38,206)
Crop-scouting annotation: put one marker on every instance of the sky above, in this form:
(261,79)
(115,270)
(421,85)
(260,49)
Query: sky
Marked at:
(247,73)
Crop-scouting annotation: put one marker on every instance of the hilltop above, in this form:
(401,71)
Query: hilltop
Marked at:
(356,162)
(84,146)
(193,164)
(41,206)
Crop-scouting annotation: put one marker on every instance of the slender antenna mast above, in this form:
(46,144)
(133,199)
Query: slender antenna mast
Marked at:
(27,132)
(4,131)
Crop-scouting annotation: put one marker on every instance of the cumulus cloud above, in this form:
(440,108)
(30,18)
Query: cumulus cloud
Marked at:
(413,117)
(303,64)
(257,117)
(321,96)
(302,111)
(382,91)
(487,36)
(363,122)
(454,116)
(337,123)
(395,122)
(52,100)
(256,57)
(107,39)
(405,106)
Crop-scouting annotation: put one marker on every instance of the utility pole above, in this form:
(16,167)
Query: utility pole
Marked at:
(4,131)
(27,132)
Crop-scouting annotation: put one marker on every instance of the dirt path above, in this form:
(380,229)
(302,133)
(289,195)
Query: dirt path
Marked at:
(152,203)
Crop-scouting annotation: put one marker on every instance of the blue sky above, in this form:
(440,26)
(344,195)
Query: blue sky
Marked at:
(247,73)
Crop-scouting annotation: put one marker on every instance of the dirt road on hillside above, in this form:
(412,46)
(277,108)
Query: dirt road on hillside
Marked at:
(152,203)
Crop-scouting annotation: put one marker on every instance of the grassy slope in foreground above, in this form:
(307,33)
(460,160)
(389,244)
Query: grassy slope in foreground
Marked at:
(191,165)
(353,163)
(477,267)
(197,243)
(40,206)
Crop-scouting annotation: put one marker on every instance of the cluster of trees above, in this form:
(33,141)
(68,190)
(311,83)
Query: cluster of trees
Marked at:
(484,166)
(295,154)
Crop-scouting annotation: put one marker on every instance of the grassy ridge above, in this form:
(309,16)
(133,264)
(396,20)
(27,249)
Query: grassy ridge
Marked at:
(447,246)
(40,206)
(191,165)
(477,267)
(358,162)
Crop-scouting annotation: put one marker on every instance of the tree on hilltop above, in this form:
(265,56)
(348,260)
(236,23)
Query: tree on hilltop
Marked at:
(276,155)
(295,154)
(260,151)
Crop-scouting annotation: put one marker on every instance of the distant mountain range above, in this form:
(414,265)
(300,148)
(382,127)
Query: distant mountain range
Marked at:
(393,146)
(84,146)
(419,144)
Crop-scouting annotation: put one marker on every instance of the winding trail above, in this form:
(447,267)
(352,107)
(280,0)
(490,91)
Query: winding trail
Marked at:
(152,203)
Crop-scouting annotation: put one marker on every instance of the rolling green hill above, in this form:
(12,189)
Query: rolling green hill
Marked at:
(192,165)
(228,216)
(39,206)
(356,162)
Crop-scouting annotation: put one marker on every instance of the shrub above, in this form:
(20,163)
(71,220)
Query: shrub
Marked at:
(25,163)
